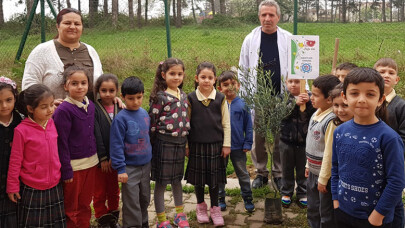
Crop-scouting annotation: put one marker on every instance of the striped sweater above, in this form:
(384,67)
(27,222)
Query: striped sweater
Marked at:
(315,143)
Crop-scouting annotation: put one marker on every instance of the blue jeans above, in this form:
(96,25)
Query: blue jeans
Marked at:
(238,158)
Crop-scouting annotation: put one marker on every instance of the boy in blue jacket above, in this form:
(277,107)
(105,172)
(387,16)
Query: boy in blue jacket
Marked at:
(241,138)
(131,152)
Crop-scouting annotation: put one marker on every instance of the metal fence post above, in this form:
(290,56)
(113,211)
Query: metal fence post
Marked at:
(27,29)
(295,17)
(167,22)
(43,21)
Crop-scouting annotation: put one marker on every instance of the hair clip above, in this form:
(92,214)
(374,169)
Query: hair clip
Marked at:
(8,82)
(161,63)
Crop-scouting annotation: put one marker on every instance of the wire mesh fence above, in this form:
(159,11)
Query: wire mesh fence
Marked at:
(133,39)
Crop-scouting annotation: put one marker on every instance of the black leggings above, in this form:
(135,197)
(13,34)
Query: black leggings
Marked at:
(199,192)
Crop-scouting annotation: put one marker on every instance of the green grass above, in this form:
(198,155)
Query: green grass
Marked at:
(138,52)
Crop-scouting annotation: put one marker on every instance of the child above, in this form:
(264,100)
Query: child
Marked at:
(74,120)
(388,69)
(209,142)
(320,209)
(367,162)
(293,133)
(106,183)
(169,128)
(35,162)
(241,140)
(131,152)
(9,119)
(343,69)
(343,114)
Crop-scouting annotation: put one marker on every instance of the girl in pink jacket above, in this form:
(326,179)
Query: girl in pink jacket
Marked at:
(35,161)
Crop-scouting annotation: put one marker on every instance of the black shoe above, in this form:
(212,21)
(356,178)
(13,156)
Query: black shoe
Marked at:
(277,181)
(259,181)
(105,220)
(222,204)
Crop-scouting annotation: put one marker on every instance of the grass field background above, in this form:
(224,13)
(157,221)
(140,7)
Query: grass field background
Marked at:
(138,52)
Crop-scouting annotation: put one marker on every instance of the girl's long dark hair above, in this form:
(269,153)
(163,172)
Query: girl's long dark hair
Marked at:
(364,74)
(160,83)
(32,96)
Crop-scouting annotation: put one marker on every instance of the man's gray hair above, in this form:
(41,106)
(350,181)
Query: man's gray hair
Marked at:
(270,3)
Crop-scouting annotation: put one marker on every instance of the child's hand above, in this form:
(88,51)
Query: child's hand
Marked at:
(57,102)
(14,196)
(245,150)
(118,101)
(68,180)
(225,151)
(123,177)
(106,166)
(306,172)
(187,152)
(322,188)
(302,99)
(335,204)
(375,218)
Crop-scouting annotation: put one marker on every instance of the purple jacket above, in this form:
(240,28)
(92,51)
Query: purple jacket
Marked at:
(76,134)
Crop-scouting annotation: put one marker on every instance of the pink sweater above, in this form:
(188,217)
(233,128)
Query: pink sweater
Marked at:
(34,157)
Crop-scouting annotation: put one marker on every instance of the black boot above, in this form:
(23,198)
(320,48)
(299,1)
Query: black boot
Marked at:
(105,220)
(114,221)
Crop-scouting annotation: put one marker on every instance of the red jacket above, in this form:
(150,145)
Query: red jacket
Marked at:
(34,157)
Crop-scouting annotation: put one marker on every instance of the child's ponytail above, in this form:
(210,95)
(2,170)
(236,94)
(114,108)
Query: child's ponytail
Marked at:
(381,112)
(32,97)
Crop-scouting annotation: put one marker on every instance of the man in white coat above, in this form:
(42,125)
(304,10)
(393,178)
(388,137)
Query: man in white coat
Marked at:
(270,43)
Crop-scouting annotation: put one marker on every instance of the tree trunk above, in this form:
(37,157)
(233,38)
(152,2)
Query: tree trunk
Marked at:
(359,10)
(93,6)
(79,6)
(390,10)
(139,14)
(174,9)
(131,14)
(326,10)
(146,11)
(114,13)
(317,10)
(178,17)
(105,8)
(193,10)
(1,13)
(365,12)
(384,18)
(213,7)
(69,5)
(331,12)
(403,11)
(59,6)
(344,11)
(28,4)
(222,8)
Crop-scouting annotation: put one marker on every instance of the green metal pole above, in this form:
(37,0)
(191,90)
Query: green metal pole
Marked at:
(43,21)
(52,9)
(27,29)
(295,16)
(167,22)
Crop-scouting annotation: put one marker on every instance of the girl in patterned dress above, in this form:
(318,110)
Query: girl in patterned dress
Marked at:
(209,142)
(9,119)
(169,128)
(34,171)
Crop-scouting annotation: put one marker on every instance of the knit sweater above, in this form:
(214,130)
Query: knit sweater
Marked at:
(44,66)
(315,143)
(367,169)
(168,116)
(129,139)
(76,134)
(102,125)
(241,125)
(34,157)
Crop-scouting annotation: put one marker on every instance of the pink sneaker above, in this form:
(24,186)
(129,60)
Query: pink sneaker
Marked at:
(216,216)
(202,215)
(180,220)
